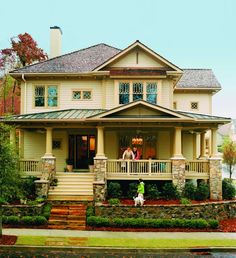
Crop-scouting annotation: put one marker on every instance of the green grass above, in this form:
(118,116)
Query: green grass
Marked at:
(124,242)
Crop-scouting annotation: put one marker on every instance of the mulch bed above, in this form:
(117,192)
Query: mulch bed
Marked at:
(8,240)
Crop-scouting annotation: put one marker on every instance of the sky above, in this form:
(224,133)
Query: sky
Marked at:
(189,33)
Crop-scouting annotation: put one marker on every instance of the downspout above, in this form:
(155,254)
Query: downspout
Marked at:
(25,104)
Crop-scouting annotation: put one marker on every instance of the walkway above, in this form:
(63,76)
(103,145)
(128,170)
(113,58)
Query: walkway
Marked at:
(109,234)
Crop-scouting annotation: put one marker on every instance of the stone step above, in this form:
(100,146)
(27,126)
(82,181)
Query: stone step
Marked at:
(72,187)
(70,192)
(54,197)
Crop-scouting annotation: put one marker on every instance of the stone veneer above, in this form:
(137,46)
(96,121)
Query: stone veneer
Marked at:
(22,210)
(48,174)
(100,183)
(215,178)
(212,210)
(178,173)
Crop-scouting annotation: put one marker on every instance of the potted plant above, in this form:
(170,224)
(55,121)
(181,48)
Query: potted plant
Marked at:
(69,165)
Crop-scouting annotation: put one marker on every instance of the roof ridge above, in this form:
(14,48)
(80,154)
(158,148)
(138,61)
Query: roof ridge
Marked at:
(67,54)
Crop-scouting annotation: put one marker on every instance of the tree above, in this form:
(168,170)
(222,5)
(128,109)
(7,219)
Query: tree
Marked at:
(24,51)
(229,154)
(27,50)
(10,178)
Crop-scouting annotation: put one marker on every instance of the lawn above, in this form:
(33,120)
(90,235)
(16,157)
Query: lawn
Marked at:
(123,242)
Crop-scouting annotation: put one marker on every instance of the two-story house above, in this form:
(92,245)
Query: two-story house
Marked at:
(88,106)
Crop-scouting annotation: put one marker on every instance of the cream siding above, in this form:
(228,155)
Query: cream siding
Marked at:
(143,60)
(110,94)
(111,144)
(187,145)
(183,101)
(34,144)
(163,145)
(167,94)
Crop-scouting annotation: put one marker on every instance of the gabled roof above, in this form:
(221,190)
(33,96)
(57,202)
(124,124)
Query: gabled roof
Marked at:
(83,60)
(137,43)
(198,78)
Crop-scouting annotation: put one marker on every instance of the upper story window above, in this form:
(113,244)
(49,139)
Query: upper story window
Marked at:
(194,105)
(124,90)
(81,94)
(131,91)
(45,96)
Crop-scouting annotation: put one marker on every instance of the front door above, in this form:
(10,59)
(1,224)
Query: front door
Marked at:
(81,150)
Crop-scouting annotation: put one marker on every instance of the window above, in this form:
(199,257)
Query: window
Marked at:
(81,94)
(194,105)
(175,105)
(56,144)
(131,91)
(45,96)
(137,91)
(151,89)
(124,92)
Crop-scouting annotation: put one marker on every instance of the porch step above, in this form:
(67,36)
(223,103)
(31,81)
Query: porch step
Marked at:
(72,186)
(68,217)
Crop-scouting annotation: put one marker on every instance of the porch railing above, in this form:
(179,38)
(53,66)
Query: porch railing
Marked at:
(31,166)
(197,166)
(138,167)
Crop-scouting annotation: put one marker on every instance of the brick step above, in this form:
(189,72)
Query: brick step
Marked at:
(67,222)
(67,217)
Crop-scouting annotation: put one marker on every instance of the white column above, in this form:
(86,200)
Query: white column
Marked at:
(100,142)
(203,145)
(214,151)
(177,151)
(48,142)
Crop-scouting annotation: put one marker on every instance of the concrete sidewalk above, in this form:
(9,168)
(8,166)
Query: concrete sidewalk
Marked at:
(110,234)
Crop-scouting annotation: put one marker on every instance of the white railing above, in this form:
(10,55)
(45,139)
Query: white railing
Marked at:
(31,166)
(138,167)
(197,166)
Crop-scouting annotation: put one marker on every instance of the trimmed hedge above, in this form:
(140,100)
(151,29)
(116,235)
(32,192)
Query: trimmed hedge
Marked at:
(151,223)
(25,220)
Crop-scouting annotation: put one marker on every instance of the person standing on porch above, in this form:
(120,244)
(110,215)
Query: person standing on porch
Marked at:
(136,153)
(128,154)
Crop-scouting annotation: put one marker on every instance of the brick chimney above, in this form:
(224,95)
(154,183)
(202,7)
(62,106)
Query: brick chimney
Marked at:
(55,41)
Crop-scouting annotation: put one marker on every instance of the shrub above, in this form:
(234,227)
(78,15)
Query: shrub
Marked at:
(39,220)
(202,193)
(2,201)
(228,189)
(170,192)
(90,211)
(98,221)
(28,186)
(189,190)
(185,201)
(152,192)
(114,190)
(132,191)
(46,210)
(213,223)
(151,223)
(27,220)
(13,220)
(114,201)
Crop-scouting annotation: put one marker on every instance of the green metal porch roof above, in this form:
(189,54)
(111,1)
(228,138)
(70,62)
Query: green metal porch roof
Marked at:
(58,115)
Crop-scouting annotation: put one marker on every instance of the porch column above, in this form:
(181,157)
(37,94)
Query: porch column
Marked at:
(100,141)
(100,166)
(48,166)
(214,151)
(177,151)
(178,161)
(48,142)
(13,137)
(215,178)
(203,146)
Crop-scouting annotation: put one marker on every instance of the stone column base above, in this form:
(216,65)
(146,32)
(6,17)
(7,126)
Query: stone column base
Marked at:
(178,173)
(99,191)
(215,172)
(42,187)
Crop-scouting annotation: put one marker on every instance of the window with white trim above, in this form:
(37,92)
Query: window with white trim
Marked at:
(81,94)
(46,96)
(131,91)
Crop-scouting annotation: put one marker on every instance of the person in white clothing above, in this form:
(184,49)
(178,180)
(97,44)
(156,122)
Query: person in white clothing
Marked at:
(128,154)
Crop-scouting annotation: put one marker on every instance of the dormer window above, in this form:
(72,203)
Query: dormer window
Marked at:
(132,91)
(45,96)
